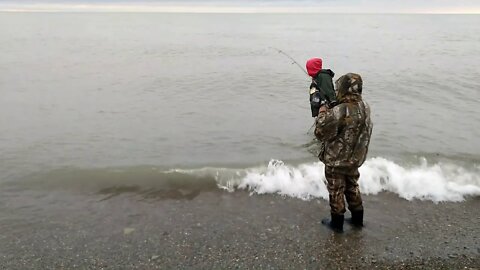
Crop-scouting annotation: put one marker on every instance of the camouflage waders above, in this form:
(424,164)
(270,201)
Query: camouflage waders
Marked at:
(343,183)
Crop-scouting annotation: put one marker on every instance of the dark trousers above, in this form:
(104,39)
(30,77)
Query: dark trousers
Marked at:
(343,183)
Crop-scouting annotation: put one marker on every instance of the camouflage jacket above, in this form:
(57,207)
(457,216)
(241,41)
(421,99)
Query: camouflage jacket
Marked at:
(344,131)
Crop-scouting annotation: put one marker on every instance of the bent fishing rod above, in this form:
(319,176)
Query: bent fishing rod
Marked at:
(291,58)
(301,68)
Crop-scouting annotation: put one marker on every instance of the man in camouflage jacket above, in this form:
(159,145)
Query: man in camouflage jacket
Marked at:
(344,132)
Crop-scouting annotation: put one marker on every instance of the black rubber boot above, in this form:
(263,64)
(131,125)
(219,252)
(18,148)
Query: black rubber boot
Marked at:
(357,218)
(335,223)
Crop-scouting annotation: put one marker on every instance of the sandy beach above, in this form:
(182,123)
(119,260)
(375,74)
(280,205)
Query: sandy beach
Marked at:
(127,228)
(132,140)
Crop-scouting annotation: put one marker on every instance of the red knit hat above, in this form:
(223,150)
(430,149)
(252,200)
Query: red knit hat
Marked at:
(314,65)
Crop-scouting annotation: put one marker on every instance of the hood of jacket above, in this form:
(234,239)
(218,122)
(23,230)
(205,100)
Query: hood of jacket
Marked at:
(349,88)
(326,71)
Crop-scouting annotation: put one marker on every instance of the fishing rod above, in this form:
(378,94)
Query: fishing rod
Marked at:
(294,62)
(310,129)
(291,58)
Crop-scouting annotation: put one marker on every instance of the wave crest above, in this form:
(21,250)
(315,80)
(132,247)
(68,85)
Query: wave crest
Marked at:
(437,182)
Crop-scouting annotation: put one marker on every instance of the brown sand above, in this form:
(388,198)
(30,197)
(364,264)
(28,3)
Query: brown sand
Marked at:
(125,228)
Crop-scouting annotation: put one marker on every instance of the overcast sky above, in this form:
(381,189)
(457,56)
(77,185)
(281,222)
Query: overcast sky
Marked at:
(327,6)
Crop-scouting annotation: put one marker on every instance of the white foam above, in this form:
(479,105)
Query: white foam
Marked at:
(436,182)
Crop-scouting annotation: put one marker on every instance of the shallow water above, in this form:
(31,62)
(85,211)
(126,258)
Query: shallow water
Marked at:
(185,91)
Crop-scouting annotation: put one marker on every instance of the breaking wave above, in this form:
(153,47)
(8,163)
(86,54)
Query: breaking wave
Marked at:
(437,182)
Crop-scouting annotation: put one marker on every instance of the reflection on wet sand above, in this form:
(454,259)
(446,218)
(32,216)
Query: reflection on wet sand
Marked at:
(154,194)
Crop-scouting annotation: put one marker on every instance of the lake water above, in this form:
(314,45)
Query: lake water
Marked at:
(206,95)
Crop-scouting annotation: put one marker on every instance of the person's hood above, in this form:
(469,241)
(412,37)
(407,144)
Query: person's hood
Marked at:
(327,71)
(314,65)
(349,88)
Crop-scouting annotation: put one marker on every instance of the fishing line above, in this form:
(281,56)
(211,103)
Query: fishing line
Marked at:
(291,58)
(295,62)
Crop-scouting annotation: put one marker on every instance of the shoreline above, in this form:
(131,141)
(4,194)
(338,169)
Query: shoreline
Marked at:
(218,229)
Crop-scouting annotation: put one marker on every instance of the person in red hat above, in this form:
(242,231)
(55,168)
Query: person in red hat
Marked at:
(322,91)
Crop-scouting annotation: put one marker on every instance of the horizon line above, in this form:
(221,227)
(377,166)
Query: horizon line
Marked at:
(101,8)
(237,12)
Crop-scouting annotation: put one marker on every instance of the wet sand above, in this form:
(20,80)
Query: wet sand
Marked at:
(124,228)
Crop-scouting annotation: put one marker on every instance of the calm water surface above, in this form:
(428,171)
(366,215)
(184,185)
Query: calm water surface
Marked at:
(190,90)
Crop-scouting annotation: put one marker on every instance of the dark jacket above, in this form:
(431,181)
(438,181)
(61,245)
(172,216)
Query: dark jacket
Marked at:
(323,81)
(345,129)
